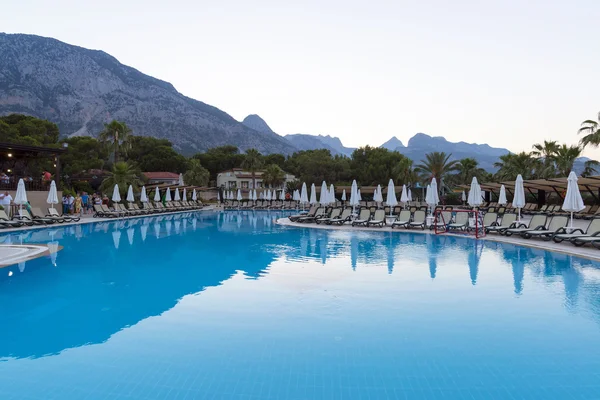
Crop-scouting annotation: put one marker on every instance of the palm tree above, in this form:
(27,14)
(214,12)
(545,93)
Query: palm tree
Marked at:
(545,153)
(511,165)
(590,168)
(467,169)
(273,175)
(116,136)
(403,172)
(564,157)
(436,165)
(122,174)
(252,162)
(196,174)
(592,128)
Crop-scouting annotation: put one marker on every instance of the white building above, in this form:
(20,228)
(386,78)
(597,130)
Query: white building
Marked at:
(238,178)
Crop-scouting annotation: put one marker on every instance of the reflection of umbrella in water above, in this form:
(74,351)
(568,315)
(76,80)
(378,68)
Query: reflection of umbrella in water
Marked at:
(572,280)
(168,226)
(323,248)
(177,224)
(144,232)
(53,251)
(22,266)
(116,238)
(390,253)
(354,251)
(185,225)
(130,233)
(433,248)
(518,270)
(473,261)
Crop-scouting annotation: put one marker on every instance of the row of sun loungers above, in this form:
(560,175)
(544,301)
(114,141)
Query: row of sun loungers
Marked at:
(25,217)
(132,209)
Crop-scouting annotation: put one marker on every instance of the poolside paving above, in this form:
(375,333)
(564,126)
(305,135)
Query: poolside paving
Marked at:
(564,247)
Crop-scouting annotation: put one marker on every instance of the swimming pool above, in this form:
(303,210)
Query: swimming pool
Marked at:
(232,306)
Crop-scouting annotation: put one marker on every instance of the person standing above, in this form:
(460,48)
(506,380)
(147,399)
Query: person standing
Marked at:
(71,201)
(84,202)
(78,204)
(65,203)
(5,201)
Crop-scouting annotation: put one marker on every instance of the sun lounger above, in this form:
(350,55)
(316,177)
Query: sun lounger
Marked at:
(6,222)
(29,219)
(378,219)
(418,221)
(442,219)
(557,223)
(335,213)
(310,212)
(489,219)
(563,234)
(403,219)
(344,217)
(461,222)
(363,217)
(38,213)
(53,212)
(319,213)
(538,221)
(508,221)
(593,239)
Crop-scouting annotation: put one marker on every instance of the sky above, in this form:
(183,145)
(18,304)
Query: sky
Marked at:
(508,73)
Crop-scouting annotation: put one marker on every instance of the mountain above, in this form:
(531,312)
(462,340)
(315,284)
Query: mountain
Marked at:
(421,144)
(309,142)
(313,142)
(255,122)
(392,144)
(81,89)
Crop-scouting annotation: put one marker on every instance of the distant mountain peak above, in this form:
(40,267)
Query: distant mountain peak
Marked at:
(392,144)
(253,121)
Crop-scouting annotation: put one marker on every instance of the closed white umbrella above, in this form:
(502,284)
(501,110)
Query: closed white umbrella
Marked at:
(144,196)
(429,198)
(116,197)
(404,195)
(573,201)
(354,195)
(21,196)
(295,195)
(464,196)
(409,195)
(168,195)
(269,198)
(303,195)
(474,199)
(176,197)
(519,197)
(181,180)
(313,194)
(332,194)
(379,195)
(281,195)
(239,195)
(157,194)
(184,196)
(130,197)
(434,191)
(391,200)
(502,198)
(358,195)
(344,195)
(52,195)
(324,194)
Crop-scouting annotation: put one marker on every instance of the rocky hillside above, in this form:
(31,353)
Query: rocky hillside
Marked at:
(80,89)
(392,144)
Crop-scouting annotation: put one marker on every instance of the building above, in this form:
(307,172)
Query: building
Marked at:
(237,178)
(157,178)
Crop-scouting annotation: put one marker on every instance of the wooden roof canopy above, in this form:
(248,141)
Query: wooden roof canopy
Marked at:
(22,150)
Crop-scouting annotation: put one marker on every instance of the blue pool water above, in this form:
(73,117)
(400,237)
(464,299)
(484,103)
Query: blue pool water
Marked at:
(232,306)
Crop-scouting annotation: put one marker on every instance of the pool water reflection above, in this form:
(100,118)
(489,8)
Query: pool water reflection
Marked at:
(231,305)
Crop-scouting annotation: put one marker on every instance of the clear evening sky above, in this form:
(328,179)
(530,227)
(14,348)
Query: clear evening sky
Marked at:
(508,73)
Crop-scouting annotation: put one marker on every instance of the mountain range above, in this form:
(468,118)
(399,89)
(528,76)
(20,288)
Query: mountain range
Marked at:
(81,89)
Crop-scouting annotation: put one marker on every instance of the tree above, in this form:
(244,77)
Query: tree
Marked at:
(436,165)
(273,175)
(373,165)
(293,185)
(122,174)
(196,175)
(592,130)
(219,159)
(27,130)
(467,169)
(403,172)
(564,158)
(545,153)
(317,166)
(152,154)
(115,136)
(511,165)
(252,162)
(83,153)
(590,168)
